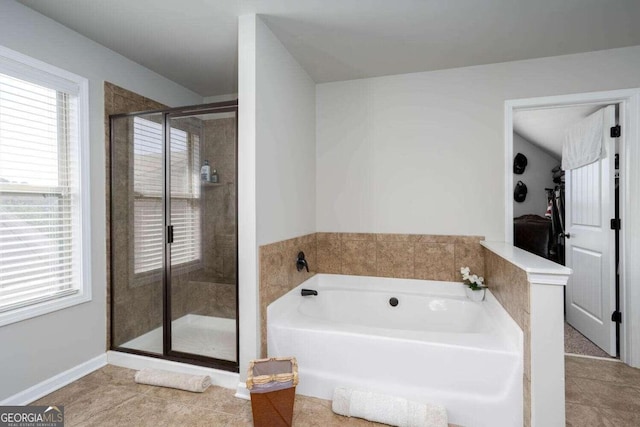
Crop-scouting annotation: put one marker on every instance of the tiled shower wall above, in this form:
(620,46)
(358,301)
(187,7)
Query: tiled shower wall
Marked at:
(415,256)
(219,201)
(510,286)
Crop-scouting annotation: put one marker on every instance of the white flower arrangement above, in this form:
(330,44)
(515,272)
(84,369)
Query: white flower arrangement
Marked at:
(474,281)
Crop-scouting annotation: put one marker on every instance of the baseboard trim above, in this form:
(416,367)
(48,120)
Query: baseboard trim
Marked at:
(585,356)
(133,361)
(242,392)
(56,382)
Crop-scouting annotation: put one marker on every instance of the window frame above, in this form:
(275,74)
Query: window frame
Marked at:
(29,69)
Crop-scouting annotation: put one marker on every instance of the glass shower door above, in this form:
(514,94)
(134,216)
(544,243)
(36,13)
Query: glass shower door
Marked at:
(201,212)
(137,179)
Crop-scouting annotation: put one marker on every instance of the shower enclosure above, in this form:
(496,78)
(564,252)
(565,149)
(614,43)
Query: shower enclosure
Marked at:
(174,234)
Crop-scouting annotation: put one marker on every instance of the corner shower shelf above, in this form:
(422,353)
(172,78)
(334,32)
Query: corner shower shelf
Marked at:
(212,184)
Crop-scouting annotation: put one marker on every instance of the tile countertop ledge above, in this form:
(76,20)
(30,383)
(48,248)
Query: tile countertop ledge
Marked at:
(530,263)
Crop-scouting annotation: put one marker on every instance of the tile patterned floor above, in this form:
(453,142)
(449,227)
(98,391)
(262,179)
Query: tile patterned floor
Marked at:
(598,393)
(110,397)
(601,393)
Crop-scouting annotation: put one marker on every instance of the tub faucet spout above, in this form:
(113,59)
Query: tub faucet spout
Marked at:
(308,292)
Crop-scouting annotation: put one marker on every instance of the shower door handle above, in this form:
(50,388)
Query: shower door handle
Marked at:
(170,234)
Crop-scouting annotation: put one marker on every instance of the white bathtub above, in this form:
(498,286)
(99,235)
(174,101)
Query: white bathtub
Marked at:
(434,346)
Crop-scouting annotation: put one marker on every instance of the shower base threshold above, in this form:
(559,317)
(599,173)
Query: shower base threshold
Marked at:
(194,334)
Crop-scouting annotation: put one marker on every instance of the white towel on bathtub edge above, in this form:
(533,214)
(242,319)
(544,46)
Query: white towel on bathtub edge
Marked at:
(395,411)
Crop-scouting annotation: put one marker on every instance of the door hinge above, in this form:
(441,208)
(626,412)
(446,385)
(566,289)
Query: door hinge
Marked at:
(616,316)
(170,234)
(616,224)
(615,131)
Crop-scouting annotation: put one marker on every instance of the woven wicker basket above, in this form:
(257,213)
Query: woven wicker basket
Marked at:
(272,383)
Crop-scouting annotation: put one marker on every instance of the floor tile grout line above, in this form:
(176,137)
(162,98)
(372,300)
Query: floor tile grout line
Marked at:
(608,382)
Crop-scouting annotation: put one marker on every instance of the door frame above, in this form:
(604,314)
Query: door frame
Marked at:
(629,120)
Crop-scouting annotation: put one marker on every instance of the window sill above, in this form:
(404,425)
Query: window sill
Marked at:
(42,308)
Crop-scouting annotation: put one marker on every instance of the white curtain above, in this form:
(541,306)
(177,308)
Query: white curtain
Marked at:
(583,142)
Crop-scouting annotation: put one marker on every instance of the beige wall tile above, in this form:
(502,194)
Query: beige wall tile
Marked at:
(509,285)
(469,254)
(358,236)
(396,237)
(434,256)
(328,236)
(308,245)
(394,259)
(435,261)
(526,329)
(359,257)
(329,253)
(278,273)
(526,397)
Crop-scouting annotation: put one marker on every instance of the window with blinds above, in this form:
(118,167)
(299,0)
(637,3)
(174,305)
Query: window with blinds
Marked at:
(185,196)
(40,199)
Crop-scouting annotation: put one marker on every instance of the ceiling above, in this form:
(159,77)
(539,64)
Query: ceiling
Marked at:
(194,42)
(546,128)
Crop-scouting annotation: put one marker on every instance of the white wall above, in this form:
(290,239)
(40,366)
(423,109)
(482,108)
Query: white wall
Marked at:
(537,176)
(39,348)
(276,160)
(285,142)
(424,152)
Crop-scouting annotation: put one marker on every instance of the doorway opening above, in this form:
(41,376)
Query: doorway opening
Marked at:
(628,117)
(565,208)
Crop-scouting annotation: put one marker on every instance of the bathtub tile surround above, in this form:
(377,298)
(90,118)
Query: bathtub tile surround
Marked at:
(411,256)
(435,261)
(278,273)
(395,259)
(329,247)
(510,286)
(531,289)
(358,257)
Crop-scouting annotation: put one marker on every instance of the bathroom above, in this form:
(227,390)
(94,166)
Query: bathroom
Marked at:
(350,169)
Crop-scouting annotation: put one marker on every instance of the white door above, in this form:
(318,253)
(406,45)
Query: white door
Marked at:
(590,245)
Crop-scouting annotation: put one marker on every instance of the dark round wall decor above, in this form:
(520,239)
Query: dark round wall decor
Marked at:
(519,163)
(520,192)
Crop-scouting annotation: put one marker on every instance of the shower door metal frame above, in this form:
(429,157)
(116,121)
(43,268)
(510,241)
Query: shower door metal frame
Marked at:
(167,352)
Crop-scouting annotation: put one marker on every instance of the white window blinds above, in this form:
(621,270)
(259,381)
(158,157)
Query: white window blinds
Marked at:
(40,224)
(185,196)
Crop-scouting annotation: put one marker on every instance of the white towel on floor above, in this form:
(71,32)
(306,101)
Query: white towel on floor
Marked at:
(157,377)
(395,411)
